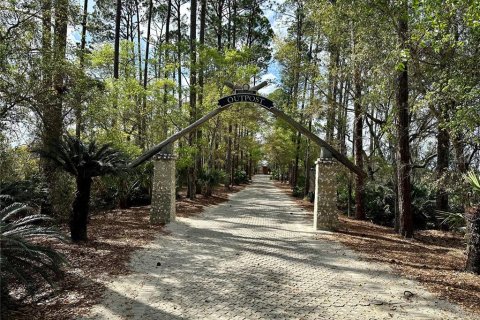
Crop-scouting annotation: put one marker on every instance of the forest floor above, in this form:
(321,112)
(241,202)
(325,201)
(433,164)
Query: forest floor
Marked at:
(434,258)
(113,236)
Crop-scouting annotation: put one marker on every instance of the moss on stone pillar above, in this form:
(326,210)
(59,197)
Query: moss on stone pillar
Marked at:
(325,204)
(163,189)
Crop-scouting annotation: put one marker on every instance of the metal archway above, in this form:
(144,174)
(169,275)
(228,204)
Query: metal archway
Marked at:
(249,96)
(163,185)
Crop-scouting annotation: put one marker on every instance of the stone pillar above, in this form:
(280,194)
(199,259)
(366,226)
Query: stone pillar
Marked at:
(163,189)
(325,212)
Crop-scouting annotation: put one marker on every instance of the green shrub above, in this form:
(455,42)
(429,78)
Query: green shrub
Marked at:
(275,174)
(208,179)
(240,177)
(298,191)
(380,204)
(62,196)
(454,220)
(301,181)
(31,191)
(472,217)
(423,202)
(22,259)
(124,189)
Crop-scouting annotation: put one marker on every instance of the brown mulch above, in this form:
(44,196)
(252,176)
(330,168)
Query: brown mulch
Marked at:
(113,236)
(434,258)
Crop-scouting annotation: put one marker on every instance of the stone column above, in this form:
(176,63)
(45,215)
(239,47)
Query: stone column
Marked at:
(325,212)
(163,189)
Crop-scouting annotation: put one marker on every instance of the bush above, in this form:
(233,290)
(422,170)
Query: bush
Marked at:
(454,220)
(104,193)
(298,191)
(208,179)
(62,196)
(240,177)
(472,215)
(275,174)
(380,204)
(124,189)
(30,191)
(22,260)
(423,202)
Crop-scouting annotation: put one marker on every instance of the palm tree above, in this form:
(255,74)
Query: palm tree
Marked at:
(21,258)
(83,161)
(472,215)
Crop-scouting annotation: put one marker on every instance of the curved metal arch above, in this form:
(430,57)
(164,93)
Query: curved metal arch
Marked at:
(225,103)
(246,97)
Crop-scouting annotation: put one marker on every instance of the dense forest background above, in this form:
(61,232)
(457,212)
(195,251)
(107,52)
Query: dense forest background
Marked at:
(395,85)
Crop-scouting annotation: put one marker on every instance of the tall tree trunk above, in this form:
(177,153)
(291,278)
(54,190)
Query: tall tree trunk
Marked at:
(179,55)
(201,71)
(60,46)
(147,45)
(142,131)
(298,142)
(341,122)
(116,55)
(358,138)
(116,46)
(332,92)
(459,147)
(167,44)
(228,163)
(403,141)
(47,41)
(49,135)
(396,209)
(306,161)
(53,110)
(54,113)
(342,136)
(201,81)
(235,151)
(166,62)
(296,89)
(219,23)
(443,155)
(234,26)
(192,170)
(80,208)
(131,37)
(139,43)
(298,55)
(472,216)
(83,43)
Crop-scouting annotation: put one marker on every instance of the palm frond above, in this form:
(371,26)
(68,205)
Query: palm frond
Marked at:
(454,220)
(474,180)
(21,258)
(75,157)
(12,210)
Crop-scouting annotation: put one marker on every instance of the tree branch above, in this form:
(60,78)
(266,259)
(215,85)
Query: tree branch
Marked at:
(425,162)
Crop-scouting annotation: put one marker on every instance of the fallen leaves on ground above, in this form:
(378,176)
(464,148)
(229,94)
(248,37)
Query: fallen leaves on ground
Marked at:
(112,237)
(434,258)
